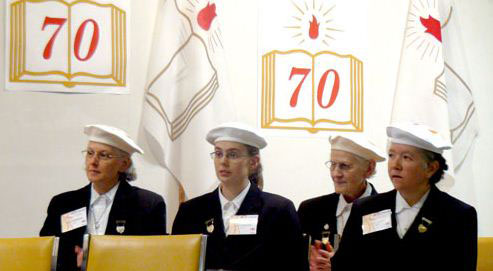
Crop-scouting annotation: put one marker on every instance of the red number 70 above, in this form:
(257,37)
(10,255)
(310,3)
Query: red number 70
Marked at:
(321,86)
(78,37)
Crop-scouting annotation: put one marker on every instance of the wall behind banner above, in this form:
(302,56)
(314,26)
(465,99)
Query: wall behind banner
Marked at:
(41,135)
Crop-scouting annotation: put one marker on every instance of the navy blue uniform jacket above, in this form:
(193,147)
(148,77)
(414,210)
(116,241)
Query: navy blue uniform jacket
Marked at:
(276,246)
(143,213)
(317,212)
(449,242)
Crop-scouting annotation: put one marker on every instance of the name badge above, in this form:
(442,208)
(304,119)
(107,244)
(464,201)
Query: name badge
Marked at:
(377,221)
(74,219)
(243,225)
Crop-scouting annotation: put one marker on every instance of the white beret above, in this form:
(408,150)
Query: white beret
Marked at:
(236,132)
(357,145)
(112,136)
(418,135)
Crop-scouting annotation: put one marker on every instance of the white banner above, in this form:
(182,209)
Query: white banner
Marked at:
(67,46)
(431,86)
(187,92)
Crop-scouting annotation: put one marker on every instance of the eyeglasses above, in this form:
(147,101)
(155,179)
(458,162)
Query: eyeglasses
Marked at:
(100,155)
(231,155)
(332,165)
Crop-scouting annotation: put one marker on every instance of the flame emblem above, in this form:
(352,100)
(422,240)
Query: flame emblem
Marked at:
(319,17)
(314,24)
(206,15)
(432,26)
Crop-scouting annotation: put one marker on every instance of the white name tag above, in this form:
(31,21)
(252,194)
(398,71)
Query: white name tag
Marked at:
(377,221)
(243,225)
(74,219)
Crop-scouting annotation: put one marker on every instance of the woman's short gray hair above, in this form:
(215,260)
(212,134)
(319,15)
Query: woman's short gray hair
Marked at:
(130,174)
(362,161)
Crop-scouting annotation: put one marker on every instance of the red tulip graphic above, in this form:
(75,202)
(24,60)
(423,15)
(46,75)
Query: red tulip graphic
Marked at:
(432,26)
(206,15)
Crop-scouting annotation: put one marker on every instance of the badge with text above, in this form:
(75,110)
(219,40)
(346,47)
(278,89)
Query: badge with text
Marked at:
(243,225)
(74,219)
(377,221)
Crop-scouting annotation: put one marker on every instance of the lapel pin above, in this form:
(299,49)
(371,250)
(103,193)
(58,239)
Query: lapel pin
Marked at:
(423,226)
(120,226)
(210,225)
(325,237)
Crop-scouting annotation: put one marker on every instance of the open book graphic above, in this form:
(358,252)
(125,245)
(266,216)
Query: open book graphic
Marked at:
(310,92)
(67,42)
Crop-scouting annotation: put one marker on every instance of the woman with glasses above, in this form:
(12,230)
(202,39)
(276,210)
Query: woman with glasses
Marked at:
(247,229)
(108,204)
(415,226)
(352,161)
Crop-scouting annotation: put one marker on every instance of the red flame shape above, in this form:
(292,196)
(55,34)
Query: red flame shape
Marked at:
(313,32)
(206,15)
(432,26)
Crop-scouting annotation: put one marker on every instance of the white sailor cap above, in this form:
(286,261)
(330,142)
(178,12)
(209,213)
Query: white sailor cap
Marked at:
(112,136)
(357,145)
(418,135)
(236,132)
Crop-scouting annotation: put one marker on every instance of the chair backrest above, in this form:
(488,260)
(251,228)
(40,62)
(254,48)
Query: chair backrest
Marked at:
(485,254)
(144,253)
(28,254)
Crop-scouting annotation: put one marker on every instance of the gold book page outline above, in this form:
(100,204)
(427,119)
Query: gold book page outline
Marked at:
(267,85)
(69,75)
(313,122)
(312,55)
(312,130)
(13,39)
(159,108)
(356,83)
(16,23)
(356,96)
(119,47)
(352,92)
(263,118)
(361,79)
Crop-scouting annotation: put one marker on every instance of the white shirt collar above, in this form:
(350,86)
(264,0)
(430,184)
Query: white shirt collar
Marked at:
(237,201)
(110,194)
(343,204)
(99,210)
(401,203)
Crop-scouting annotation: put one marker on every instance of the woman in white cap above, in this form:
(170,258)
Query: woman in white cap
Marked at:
(352,162)
(415,226)
(247,229)
(108,204)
